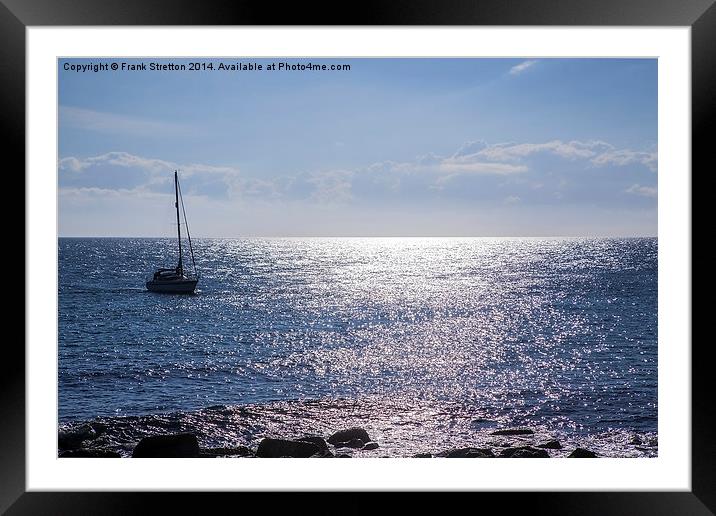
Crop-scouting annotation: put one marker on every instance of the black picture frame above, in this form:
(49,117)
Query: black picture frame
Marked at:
(700,15)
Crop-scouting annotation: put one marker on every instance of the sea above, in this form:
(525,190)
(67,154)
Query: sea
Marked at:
(427,343)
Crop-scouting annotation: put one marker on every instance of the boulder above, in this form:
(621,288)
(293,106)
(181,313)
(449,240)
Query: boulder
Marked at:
(423,456)
(318,441)
(98,428)
(513,431)
(239,451)
(499,444)
(353,443)
(550,445)
(73,439)
(69,440)
(370,445)
(581,453)
(285,448)
(344,436)
(470,453)
(524,452)
(99,454)
(482,423)
(323,454)
(176,445)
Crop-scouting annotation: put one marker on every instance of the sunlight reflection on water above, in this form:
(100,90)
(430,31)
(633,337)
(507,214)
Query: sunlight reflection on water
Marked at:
(556,332)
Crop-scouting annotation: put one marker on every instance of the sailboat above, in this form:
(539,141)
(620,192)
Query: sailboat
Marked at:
(176,280)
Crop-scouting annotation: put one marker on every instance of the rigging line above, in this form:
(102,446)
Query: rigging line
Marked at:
(186,225)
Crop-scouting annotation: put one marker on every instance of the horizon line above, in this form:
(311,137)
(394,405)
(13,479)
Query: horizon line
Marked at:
(367,236)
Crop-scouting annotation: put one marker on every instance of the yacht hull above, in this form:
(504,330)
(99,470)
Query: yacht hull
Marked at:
(185,286)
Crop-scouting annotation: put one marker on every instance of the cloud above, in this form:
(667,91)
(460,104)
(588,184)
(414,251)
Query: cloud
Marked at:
(331,187)
(120,159)
(624,157)
(470,148)
(70,164)
(122,172)
(518,151)
(113,123)
(524,65)
(644,191)
(128,172)
(599,153)
(476,169)
(94,192)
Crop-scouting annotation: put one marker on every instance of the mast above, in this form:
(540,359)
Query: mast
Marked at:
(180,267)
(186,225)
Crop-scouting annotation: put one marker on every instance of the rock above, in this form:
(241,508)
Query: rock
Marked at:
(342,456)
(499,444)
(482,423)
(103,454)
(524,452)
(323,454)
(284,448)
(72,440)
(471,453)
(581,453)
(551,445)
(318,441)
(513,431)
(69,440)
(370,445)
(239,451)
(423,455)
(344,436)
(353,443)
(176,445)
(636,440)
(98,428)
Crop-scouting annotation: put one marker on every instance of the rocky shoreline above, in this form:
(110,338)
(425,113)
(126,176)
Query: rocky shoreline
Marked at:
(369,427)
(346,443)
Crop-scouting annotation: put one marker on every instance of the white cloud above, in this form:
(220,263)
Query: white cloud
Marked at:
(71,164)
(624,157)
(122,173)
(598,152)
(128,172)
(644,191)
(115,123)
(124,159)
(519,151)
(152,165)
(477,167)
(513,163)
(95,193)
(524,65)
(470,148)
(331,187)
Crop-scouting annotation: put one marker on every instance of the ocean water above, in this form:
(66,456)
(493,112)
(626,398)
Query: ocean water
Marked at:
(427,342)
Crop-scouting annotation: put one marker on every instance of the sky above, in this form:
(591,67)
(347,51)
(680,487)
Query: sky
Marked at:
(390,147)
